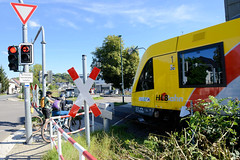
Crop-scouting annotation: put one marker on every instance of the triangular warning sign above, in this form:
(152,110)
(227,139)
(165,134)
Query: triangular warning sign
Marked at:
(24,11)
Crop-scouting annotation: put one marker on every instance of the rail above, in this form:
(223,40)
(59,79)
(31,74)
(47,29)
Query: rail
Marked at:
(83,153)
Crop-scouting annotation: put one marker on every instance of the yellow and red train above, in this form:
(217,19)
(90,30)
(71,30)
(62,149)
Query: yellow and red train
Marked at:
(173,72)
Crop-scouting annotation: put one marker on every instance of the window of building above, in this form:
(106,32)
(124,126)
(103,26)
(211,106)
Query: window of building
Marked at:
(145,81)
(202,67)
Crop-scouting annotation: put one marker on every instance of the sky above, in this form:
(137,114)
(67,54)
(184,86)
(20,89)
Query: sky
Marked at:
(77,27)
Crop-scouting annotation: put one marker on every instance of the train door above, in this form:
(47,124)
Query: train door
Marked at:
(167,82)
(144,95)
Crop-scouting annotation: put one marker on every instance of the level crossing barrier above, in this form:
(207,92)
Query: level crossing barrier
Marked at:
(83,153)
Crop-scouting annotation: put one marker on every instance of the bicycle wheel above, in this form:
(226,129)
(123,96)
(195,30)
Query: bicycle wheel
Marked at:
(37,123)
(46,132)
(74,124)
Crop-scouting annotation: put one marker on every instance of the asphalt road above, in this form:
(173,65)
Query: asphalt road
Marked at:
(120,112)
(5,97)
(12,115)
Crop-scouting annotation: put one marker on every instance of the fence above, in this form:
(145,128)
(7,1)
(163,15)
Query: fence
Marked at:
(83,153)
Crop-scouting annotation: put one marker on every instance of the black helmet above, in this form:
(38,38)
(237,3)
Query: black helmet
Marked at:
(48,93)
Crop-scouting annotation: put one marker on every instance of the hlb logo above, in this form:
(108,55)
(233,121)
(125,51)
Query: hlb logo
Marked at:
(165,97)
(162,97)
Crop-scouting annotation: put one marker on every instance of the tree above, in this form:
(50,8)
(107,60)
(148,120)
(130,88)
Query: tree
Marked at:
(3,80)
(108,59)
(62,77)
(35,70)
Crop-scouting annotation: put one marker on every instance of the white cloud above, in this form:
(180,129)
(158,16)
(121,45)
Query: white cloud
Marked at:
(155,17)
(67,23)
(141,14)
(33,24)
(4,52)
(89,20)
(109,25)
(183,12)
(134,12)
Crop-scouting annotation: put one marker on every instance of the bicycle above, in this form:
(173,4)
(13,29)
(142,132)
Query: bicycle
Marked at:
(37,120)
(69,123)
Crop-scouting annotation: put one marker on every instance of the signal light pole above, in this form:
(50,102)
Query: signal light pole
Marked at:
(28,119)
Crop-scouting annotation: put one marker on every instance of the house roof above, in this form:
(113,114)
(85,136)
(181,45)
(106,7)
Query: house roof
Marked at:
(15,81)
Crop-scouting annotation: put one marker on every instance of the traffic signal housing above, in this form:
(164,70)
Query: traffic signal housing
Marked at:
(26,53)
(13,58)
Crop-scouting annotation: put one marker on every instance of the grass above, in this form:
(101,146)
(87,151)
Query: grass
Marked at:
(119,103)
(75,98)
(119,144)
(103,145)
(55,93)
(97,98)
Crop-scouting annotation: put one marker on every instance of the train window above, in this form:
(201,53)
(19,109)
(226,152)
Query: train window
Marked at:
(202,67)
(145,81)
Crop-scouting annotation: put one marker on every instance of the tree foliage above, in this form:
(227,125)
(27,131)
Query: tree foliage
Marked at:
(3,80)
(59,77)
(35,70)
(62,77)
(108,59)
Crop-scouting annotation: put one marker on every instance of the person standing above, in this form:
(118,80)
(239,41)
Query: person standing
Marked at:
(47,109)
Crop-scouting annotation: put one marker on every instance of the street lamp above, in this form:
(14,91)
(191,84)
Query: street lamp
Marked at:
(121,69)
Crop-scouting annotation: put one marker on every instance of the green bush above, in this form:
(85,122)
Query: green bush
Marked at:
(217,121)
(211,134)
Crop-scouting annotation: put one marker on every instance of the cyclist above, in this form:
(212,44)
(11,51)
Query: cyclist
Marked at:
(63,102)
(56,110)
(47,105)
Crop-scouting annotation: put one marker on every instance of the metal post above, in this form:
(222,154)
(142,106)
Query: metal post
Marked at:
(86,107)
(43,62)
(92,128)
(28,119)
(105,124)
(122,69)
(43,59)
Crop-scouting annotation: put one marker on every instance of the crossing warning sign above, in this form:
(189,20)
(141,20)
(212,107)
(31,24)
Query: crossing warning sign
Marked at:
(84,91)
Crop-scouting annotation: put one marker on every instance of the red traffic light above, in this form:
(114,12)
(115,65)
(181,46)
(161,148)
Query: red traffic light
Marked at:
(25,49)
(26,53)
(13,58)
(12,49)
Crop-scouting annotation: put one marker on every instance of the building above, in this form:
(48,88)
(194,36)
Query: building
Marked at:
(102,87)
(14,86)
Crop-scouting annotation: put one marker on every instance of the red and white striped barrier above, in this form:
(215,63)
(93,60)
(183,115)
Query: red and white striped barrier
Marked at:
(78,114)
(83,153)
(35,95)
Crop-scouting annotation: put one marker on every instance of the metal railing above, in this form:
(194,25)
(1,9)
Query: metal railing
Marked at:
(83,153)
